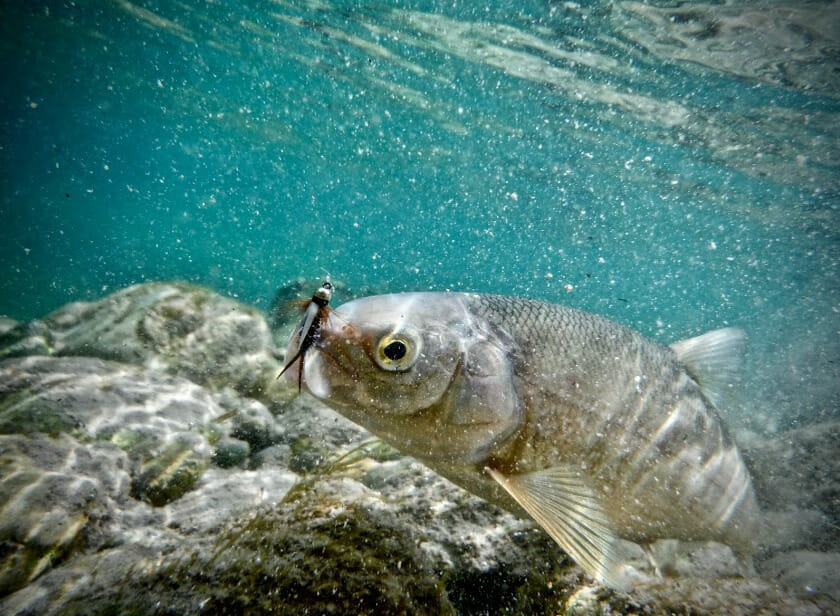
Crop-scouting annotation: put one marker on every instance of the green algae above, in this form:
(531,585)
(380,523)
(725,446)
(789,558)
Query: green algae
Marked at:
(287,561)
(231,453)
(315,463)
(169,475)
(25,412)
(138,442)
(307,456)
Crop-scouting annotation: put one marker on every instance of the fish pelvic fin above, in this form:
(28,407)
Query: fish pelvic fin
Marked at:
(713,360)
(567,508)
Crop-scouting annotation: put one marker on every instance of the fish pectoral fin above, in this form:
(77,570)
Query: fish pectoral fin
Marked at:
(568,509)
(713,360)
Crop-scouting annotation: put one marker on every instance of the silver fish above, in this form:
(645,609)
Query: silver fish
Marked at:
(592,430)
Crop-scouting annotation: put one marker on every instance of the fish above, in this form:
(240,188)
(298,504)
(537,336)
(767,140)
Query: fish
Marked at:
(315,312)
(595,432)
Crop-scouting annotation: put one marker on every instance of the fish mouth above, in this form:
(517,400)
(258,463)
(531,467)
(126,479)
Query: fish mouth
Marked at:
(324,372)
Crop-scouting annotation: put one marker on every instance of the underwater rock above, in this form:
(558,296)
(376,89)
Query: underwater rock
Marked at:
(317,555)
(182,329)
(364,531)
(7,324)
(719,597)
(231,452)
(104,400)
(305,417)
(58,497)
(306,455)
(489,560)
(131,538)
(165,424)
(19,339)
(249,420)
(169,472)
(276,456)
(85,442)
(221,494)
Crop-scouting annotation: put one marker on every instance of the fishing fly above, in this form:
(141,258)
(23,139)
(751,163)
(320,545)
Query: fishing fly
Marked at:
(316,311)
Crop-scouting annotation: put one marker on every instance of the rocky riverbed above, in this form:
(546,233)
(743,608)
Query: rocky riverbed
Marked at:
(151,463)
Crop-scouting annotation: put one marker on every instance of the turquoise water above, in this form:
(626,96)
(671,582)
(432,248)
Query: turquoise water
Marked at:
(672,165)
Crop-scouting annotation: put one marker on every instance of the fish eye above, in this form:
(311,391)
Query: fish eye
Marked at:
(396,352)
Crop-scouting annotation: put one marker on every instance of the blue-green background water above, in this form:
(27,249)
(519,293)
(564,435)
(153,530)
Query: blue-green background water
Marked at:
(673,165)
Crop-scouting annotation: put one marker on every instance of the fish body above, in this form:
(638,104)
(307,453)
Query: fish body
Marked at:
(594,431)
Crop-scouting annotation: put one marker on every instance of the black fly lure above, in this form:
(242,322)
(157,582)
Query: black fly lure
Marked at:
(316,311)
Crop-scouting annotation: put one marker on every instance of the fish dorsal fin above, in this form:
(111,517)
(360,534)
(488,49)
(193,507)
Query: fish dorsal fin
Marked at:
(563,503)
(713,359)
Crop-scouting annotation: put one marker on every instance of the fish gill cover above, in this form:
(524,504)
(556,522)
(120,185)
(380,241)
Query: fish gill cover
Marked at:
(671,165)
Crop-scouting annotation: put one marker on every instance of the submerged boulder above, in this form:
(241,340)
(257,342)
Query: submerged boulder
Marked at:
(58,497)
(367,532)
(178,328)
(18,339)
(171,428)
(103,400)
(84,443)
(318,555)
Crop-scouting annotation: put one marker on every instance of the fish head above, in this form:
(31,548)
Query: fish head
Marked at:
(389,354)
(418,370)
